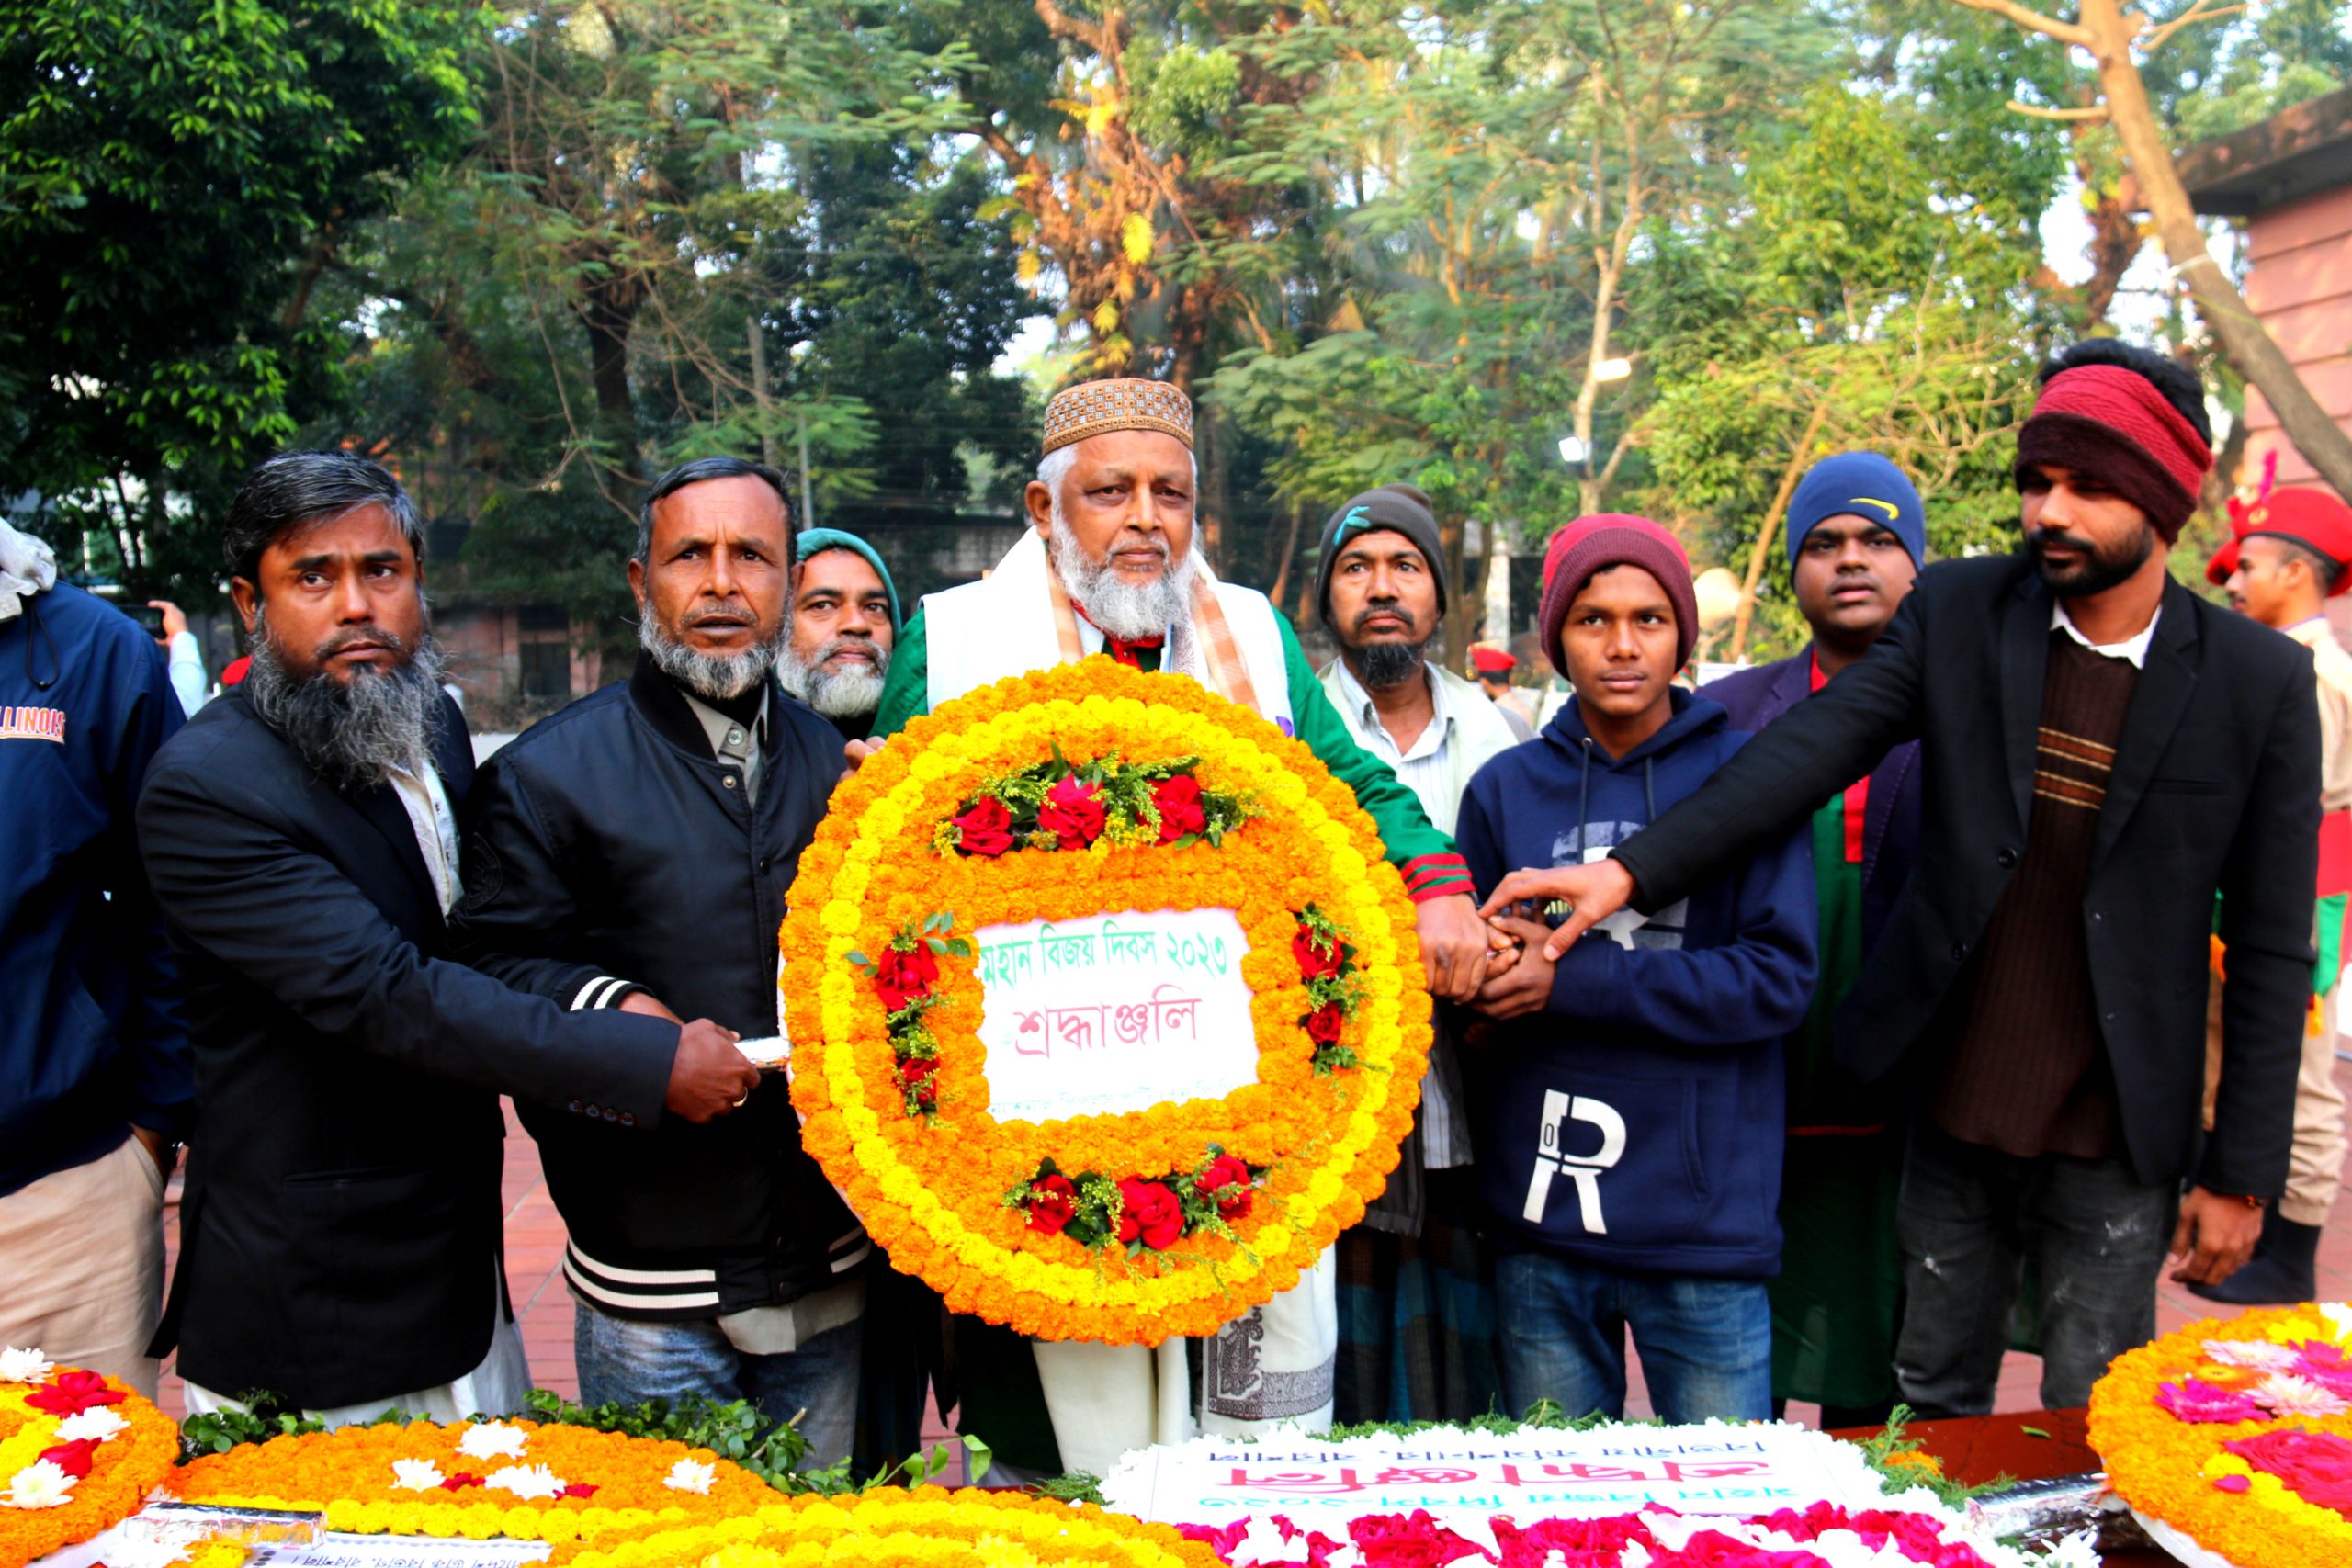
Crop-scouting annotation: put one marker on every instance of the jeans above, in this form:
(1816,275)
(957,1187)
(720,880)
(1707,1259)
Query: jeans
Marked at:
(1706,1345)
(624,1361)
(1970,1219)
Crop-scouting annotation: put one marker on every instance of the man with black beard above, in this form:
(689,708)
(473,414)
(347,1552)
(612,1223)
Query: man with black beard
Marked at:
(844,622)
(2104,751)
(1415,1288)
(634,850)
(341,1235)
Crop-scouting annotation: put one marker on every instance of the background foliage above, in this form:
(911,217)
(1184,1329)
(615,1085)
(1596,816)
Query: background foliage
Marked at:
(533,252)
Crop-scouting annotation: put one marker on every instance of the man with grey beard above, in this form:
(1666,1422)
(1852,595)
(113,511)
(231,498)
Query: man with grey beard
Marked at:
(341,1235)
(844,622)
(633,852)
(1416,1285)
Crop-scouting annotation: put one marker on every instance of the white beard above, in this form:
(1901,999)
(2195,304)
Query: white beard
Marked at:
(1118,607)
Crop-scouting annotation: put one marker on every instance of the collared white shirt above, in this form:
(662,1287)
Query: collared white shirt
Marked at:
(1425,768)
(1436,768)
(435,826)
(2133,649)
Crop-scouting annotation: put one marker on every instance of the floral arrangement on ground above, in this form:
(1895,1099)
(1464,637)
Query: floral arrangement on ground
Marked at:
(1820,1536)
(2238,1434)
(565,1485)
(78,1454)
(1886,1503)
(926,1528)
(1093,789)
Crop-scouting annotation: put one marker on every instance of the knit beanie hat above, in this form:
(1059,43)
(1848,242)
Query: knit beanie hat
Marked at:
(815,541)
(2108,421)
(1859,484)
(1395,509)
(1610,539)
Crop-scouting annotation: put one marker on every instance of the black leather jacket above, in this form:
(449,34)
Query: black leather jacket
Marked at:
(608,849)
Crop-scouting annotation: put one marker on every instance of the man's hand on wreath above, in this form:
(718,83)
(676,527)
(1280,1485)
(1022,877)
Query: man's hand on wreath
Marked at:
(857,752)
(2216,1235)
(1526,986)
(708,1076)
(1453,946)
(1592,894)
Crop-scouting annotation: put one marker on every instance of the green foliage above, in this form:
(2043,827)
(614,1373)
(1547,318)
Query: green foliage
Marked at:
(173,177)
(772,1449)
(264,1416)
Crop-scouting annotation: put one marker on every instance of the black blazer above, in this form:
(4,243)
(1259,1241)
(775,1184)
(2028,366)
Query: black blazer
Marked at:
(2216,789)
(340,1237)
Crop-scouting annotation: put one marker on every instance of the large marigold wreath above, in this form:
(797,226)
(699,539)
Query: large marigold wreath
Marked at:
(928,1527)
(565,1485)
(1093,789)
(2238,1434)
(78,1454)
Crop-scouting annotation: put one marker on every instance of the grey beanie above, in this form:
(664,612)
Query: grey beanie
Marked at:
(1395,509)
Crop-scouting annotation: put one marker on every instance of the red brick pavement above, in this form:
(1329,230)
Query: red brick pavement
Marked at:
(534,1274)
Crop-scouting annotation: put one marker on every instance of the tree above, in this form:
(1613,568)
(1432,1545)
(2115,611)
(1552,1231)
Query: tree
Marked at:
(1874,292)
(2114,38)
(1501,175)
(664,201)
(175,177)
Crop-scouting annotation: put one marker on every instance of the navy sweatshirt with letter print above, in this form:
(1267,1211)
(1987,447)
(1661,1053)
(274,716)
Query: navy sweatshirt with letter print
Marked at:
(1635,1123)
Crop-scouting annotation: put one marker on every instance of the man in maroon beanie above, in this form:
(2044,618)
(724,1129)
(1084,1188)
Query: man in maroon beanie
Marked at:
(2104,752)
(1627,1110)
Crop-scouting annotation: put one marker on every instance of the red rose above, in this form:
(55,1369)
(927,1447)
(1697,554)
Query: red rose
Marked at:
(461,1481)
(915,1078)
(1178,801)
(1053,1203)
(903,978)
(1315,962)
(1220,1173)
(1323,1024)
(986,829)
(72,1458)
(72,1392)
(1148,1211)
(1072,812)
(579,1489)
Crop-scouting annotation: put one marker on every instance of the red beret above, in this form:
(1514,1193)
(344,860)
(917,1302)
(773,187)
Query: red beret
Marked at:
(1492,661)
(2309,517)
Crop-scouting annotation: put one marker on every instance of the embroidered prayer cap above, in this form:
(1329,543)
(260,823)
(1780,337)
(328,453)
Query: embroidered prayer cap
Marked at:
(1097,408)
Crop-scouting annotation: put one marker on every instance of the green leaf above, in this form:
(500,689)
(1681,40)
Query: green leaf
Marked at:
(2033,1431)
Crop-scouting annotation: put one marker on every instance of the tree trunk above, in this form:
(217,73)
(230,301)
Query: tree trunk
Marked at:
(607,310)
(1770,525)
(2225,313)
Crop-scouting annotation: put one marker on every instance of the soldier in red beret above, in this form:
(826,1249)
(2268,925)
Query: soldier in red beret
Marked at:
(2288,554)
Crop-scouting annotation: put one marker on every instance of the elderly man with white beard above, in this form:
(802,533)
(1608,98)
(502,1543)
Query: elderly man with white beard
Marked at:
(1110,567)
(844,620)
(633,852)
(341,1235)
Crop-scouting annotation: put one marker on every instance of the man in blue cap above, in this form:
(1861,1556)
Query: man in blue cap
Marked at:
(844,622)
(1857,538)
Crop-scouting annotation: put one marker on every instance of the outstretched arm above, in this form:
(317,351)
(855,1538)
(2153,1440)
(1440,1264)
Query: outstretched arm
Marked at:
(294,925)
(1776,780)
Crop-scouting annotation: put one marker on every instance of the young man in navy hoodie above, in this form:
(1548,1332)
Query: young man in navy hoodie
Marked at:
(1629,1113)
